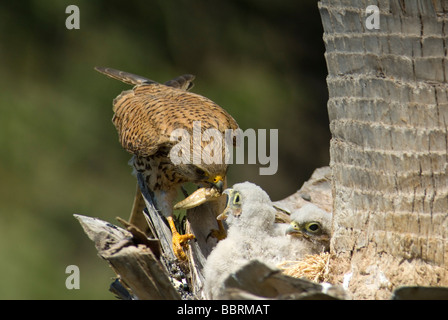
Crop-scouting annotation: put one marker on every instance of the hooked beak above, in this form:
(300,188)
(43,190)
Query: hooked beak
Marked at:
(218,183)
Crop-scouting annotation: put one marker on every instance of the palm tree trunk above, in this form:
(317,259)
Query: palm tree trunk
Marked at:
(388,110)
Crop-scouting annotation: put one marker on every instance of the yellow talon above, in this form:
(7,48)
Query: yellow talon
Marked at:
(219,234)
(179,241)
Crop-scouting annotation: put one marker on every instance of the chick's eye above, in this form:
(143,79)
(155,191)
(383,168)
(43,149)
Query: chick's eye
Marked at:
(313,227)
(237,199)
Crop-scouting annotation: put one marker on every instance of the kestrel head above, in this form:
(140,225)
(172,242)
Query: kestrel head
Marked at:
(209,176)
(248,205)
(311,223)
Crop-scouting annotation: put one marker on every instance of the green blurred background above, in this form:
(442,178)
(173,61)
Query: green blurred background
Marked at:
(261,60)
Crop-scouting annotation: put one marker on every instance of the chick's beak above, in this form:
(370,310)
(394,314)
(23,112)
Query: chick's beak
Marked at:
(224,214)
(294,231)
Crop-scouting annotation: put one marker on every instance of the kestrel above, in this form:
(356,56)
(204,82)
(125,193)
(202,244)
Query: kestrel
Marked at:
(312,224)
(145,118)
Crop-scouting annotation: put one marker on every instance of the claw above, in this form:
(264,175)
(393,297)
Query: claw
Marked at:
(219,234)
(179,241)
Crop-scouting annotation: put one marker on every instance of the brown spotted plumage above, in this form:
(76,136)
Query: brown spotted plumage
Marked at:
(145,117)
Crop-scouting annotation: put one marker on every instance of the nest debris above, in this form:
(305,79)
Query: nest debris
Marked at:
(315,268)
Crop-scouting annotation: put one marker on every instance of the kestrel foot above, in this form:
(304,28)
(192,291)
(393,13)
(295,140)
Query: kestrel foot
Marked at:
(219,234)
(179,241)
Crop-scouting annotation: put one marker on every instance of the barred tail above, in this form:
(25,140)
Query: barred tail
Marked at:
(123,76)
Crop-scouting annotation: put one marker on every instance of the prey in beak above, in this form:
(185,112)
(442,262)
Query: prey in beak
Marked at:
(202,195)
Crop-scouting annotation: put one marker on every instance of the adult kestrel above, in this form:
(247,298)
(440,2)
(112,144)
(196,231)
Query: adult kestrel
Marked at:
(146,116)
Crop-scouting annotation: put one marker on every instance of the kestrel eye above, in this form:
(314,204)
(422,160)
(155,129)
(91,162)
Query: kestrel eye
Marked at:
(237,199)
(313,227)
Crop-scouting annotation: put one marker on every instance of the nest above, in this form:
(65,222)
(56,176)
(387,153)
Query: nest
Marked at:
(312,267)
(142,256)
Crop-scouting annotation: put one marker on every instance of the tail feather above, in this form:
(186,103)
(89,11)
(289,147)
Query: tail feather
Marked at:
(183,82)
(123,76)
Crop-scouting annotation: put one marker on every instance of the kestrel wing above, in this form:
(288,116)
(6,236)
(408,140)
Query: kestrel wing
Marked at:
(146,115)
(137,120)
